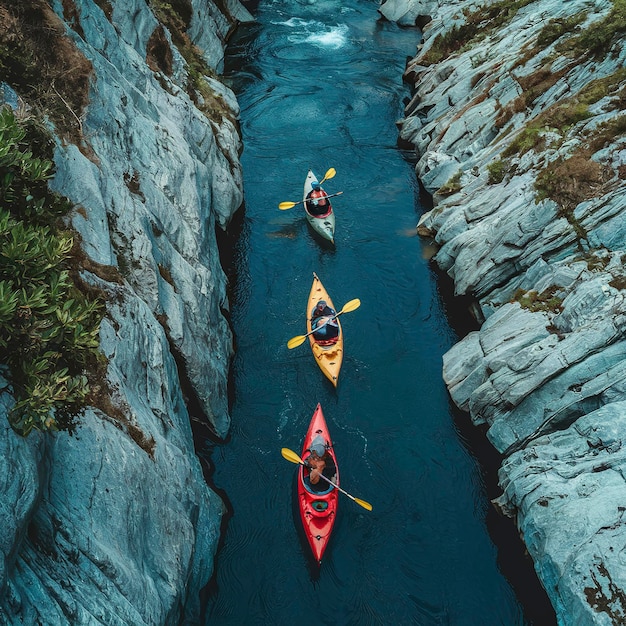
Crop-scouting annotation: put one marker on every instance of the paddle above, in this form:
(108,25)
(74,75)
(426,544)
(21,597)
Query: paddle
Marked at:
(289,205)
(290,455)
(329,174)
(298,340)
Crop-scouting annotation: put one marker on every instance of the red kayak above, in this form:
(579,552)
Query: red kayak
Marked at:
(318,509)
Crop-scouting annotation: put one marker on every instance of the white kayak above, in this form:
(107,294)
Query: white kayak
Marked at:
(323,225)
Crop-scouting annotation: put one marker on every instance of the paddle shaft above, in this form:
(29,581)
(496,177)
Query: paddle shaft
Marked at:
(328,319)
(328,195)
(290,455)
(298,340)
(293,204)
(337,487)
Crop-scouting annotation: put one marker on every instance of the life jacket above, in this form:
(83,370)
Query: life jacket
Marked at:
(319,195)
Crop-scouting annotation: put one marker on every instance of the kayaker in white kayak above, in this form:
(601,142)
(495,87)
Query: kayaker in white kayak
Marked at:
(317,200)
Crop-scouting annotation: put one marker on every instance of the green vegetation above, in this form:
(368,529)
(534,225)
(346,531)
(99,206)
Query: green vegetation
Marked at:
(447,43)
(478,25)
(452,186)
(529,138)
(607,132)
(601,87)
(497,171)
(560,117)
(555,29)
(577,178)
(598,38)
(568,182)
(176,16)
(43,65)
(49,328)
(535,301)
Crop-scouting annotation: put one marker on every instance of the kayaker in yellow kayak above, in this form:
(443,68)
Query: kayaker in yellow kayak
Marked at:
(324,322)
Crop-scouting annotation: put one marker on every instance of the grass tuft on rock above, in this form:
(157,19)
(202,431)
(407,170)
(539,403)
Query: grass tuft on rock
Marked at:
(478,25)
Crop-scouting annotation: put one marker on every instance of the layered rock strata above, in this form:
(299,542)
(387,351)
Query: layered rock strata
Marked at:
(115,524)
(517,119)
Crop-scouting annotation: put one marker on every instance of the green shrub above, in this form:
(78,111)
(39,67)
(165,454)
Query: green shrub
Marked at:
(535,301)
(478,25)
(528,138)
(601,87)
(598,38)
(497,170)
(49,329)
(452,186)
(555,29)
(447,43)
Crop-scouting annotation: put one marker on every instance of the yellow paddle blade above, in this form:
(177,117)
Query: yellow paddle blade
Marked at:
(287,205)
(365,505)
(350,306)
(329,174)
(290,455)
(296,341)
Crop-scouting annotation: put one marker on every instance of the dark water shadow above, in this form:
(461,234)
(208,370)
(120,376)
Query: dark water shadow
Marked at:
(513,560)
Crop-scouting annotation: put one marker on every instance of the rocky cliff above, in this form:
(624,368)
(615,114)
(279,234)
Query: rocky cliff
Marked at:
(114,523)
(518,124)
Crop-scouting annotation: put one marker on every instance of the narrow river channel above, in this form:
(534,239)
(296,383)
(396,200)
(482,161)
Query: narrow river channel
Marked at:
(319,84)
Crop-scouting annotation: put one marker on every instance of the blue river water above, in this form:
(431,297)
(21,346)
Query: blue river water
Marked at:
(319,84)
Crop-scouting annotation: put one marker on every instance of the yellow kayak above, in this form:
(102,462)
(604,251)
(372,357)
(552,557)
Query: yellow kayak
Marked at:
(328,352)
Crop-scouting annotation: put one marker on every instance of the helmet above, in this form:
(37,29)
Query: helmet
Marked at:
(315,185)
(318,449)
(321,304)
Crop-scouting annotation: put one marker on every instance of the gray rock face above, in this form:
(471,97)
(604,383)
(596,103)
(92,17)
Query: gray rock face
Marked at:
(519,136)
(575,476)
(115,523)
(409,12)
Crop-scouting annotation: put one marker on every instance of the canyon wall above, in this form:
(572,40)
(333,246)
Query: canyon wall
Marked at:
(517,120)
(114,523)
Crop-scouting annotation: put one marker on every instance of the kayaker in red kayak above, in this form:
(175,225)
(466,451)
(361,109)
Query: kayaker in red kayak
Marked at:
(321,463)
